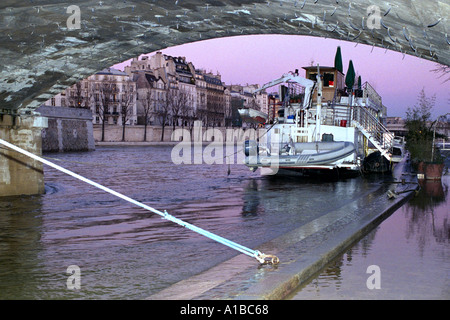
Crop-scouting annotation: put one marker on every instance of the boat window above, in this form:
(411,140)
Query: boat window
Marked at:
(313,76)
(396,151)
(328,80)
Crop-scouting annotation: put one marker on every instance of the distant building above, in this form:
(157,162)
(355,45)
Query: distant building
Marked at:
(274,104)
(443,127)
(396,125)
(258,101)
(204,93)
(151,95)
(88,93)
(215,100)
(160,88)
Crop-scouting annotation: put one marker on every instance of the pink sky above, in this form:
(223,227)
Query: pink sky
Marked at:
(261,58)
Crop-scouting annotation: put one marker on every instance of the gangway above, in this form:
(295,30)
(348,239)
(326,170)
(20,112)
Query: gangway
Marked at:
(373,130)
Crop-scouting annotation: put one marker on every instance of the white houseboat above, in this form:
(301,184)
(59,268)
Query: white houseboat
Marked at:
(321,127)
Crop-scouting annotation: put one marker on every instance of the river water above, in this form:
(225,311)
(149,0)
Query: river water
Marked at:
(410,249)
(125,252)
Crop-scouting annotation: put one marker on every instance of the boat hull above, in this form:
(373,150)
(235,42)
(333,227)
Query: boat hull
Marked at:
(315,156)
(312,172)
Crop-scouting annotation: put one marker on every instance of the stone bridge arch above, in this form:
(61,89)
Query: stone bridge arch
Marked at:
(48,45)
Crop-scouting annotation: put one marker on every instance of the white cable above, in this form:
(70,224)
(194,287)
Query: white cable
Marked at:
(253,253)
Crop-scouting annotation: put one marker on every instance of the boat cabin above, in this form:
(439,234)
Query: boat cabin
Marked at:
(333,82)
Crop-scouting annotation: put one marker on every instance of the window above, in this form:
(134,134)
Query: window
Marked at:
(313,76)
(328,80)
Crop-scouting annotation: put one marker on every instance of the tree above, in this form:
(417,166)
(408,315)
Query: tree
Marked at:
(148,104)
(126,104)
(193,115)
(163,110)
(443,70)
(215,108)
(178,100)
(236,104)
(419,138)
(350,76)
(76,98)
(338,60)
(187,112)
(421,111)
(107,88)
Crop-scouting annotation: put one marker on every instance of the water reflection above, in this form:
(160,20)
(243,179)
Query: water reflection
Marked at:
(427,214)
(411,248)
(19,243)
(251,199)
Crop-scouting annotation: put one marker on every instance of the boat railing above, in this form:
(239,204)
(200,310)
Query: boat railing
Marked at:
(443,145)
(373,129)
(337,112)
(370,92)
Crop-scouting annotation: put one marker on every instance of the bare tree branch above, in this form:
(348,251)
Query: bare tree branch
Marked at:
(442,70)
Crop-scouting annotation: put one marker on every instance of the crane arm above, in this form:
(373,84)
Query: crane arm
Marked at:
(308,84)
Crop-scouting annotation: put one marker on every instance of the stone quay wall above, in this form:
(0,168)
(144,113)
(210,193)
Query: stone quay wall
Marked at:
(69,129)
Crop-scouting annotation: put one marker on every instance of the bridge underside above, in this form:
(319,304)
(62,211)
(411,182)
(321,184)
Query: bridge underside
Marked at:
(43,51)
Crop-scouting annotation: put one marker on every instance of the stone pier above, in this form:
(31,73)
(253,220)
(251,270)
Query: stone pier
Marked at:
(19,174)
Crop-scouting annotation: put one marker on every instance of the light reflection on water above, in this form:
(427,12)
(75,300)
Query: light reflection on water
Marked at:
(411,248)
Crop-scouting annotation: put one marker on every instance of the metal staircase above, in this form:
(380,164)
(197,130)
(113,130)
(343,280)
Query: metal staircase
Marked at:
(373,130)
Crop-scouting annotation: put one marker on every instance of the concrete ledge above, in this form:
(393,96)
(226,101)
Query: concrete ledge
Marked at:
(279,286)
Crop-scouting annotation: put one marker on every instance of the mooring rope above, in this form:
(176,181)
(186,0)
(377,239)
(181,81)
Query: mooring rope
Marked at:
(261,257)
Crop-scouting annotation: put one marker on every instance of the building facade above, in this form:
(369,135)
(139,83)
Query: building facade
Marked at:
(110,94)
(159,90)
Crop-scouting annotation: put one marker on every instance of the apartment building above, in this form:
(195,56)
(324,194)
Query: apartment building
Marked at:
(110,94)
(156,89)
